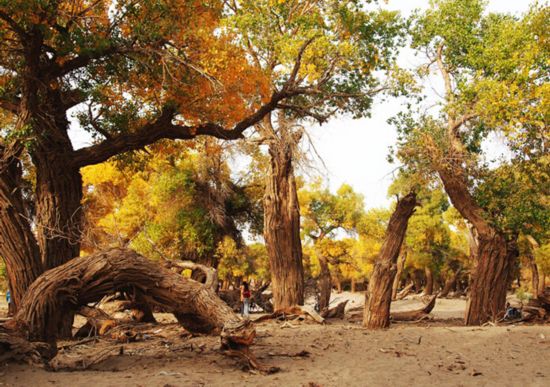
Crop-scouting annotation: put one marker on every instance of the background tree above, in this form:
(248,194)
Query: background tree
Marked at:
(340,46)
(492,70)
(323,215)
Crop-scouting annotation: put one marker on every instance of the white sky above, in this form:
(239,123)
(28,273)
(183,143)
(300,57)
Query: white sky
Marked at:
(355,151)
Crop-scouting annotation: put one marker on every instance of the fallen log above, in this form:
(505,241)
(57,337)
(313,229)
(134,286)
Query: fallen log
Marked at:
(413,315)
(85,280)
(293,311)
(337,312)
(405,291)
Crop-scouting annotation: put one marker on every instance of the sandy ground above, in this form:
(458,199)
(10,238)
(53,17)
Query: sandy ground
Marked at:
(339,353)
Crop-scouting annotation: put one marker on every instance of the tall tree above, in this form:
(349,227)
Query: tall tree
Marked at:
(340,46)
(492,70)
(135,73)
(323,215)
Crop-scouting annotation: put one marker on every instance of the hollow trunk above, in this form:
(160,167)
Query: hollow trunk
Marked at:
(18,246)
(324,284)
(282,230)
(429,287)
(490,280)
(397,279)
(378,298)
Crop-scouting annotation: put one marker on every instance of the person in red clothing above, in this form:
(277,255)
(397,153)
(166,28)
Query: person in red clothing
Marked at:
(245,298)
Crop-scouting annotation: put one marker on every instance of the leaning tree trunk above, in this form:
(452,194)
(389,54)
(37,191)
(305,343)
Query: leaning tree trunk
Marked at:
(490,277)
(86,280)
(282,229)
(378,298)
(397,279)
(18,247)
(325,285)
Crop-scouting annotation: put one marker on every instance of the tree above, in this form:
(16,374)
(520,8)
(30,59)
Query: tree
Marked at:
(492,70)
(323,215)
(135,73)
(339,46)
(378,298)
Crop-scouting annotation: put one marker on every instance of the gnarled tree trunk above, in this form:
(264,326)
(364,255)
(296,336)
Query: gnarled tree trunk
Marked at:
(18,246)
(85,280)
(378,298)
(282,229)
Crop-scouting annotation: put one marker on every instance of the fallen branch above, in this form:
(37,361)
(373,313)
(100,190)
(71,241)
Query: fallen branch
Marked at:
(404,292)
(413,315)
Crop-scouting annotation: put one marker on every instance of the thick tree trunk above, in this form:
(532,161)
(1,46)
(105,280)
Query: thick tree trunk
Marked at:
(325,285)
(491,276)
(88,279)
(378,298)
(18,247)
(429,287)
(490,280)
(282,230)
(397,279)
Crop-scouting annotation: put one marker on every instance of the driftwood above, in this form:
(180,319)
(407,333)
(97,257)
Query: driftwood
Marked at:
(413,315)
(405,291)
(84,280)
(337,312)
(292,312)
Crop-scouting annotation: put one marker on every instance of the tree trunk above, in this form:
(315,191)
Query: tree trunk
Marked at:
(490,280)
(490,277)
(325,285)
(378,298)
(282,230)
(353,285)
(397,279)
(534,278)
(449,283)
(542,284)
(429,287)
(18,246)
(88,279)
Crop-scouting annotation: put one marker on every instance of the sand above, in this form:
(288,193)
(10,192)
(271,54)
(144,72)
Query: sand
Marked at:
(339,353)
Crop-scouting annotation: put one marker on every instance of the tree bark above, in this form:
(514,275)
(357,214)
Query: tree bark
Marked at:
(397,279)
(542,284)
(282,229)
(449,283)
(18,246)
(378,298)
(88,279)
(490,278)
(353,285)
(325,285)
(429,287)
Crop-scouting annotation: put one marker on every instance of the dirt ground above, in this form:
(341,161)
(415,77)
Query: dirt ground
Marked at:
(339,353)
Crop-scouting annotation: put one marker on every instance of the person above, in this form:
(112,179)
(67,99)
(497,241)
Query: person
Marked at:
(8,300)
(245,298)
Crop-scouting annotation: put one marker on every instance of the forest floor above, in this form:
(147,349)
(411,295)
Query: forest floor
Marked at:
(439,352)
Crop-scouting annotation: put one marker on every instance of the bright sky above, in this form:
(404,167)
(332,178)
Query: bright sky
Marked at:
(355,151)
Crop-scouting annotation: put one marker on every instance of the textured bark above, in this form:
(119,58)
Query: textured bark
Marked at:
(88,279)
(378,298)
(325,285)
(282,229)
(490,278)
(18,246)
(397,279)
(429,287)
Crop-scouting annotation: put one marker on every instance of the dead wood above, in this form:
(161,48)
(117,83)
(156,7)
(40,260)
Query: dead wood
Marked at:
(413,315)
(85,280)
(405,291)
(98,322)
(209,273)
(292,312)
(337,312)
(64,362)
